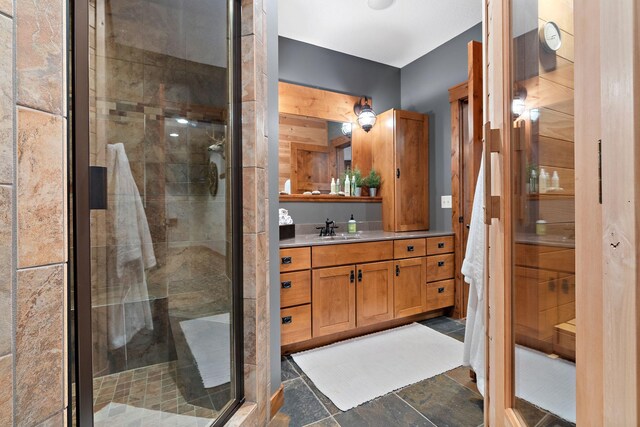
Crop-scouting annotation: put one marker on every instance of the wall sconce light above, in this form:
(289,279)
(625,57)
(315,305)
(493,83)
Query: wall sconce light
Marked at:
(364,112)
(346,129)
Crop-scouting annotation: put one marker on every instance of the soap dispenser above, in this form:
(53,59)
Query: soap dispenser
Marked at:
(351,226)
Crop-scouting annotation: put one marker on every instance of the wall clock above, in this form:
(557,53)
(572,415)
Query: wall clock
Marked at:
(550,37)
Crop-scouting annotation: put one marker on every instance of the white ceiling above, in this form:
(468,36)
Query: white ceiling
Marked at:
(394,36)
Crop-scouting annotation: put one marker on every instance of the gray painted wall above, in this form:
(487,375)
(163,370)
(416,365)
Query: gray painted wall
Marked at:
(425,87)
(310,65)
(317,213)
(274,266)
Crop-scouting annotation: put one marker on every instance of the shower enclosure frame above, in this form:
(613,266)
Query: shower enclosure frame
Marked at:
(80,241)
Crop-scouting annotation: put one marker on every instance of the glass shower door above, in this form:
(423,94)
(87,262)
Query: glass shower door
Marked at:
(543,284)
(161,227)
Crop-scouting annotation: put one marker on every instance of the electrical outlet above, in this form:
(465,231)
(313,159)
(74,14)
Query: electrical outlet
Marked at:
(445,202)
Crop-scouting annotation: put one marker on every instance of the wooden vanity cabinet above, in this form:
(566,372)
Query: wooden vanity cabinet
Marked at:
(400,154)
(334,300)
(409,290)
(374,293)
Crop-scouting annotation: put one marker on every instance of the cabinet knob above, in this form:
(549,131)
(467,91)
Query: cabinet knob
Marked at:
(359,275)
(287,320)
(398,173)
(440,245)
(440,263)
(286,285)
(552,285)
(286,260)
(410,248)
(397,270)
(565,286)
(352,277)
(440,290)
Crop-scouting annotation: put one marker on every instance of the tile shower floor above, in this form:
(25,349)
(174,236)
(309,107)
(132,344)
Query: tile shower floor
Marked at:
(447,400)
(148,396)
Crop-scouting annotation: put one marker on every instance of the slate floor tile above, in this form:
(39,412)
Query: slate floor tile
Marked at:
(333,409)
(442,324)
(385,411)
(461,376)
(301,405)
(445,402)
(553,421)
(327,422)
(457,334)
(531,413)
(288,372)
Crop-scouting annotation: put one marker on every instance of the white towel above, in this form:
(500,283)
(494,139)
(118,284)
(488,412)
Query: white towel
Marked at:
(129,252)
(473,270)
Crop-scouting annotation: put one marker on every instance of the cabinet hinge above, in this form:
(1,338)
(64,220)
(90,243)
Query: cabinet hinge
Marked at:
(460,219)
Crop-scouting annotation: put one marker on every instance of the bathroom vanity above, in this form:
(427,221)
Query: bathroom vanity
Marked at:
(342,286)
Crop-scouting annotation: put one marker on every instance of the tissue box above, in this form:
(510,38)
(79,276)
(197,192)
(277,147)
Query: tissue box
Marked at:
(287,231)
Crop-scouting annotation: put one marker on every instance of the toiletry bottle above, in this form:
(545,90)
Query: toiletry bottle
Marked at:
(333,186)
(533,181)
(543,181)
(351,226)
(347,186)
(541,227)
(353,185)
(555,180)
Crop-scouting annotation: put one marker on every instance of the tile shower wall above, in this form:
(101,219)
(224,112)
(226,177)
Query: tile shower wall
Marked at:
(33,208)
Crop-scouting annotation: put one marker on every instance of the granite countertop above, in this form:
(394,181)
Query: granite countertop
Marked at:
(534,239)
(359,237)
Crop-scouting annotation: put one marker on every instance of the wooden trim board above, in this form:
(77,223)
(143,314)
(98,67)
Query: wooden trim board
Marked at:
(277,401)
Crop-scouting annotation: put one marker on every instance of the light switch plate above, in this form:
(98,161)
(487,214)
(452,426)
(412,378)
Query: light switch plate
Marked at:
(445,202)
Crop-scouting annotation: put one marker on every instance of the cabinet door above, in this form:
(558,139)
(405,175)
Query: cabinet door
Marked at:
(412,172)
(410,286)
(333,300)
(374,293)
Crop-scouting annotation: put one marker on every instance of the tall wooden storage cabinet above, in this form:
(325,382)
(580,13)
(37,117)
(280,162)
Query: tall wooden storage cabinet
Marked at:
(400,154)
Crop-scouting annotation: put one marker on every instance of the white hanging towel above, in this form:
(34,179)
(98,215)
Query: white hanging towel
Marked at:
(473,268)
(129,252)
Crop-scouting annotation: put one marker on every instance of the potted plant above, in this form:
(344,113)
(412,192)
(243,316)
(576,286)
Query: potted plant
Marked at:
(373,182)
(359,182)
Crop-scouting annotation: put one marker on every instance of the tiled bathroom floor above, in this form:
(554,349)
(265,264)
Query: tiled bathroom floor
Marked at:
(151,396)
(447,400)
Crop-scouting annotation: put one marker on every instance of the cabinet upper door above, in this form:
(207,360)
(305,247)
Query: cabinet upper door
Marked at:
(412,171)
(334,300)
(410,286)
(374,293)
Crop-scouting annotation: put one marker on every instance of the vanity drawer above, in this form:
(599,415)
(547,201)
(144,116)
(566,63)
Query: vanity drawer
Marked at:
(409,248)
(295,288)
(440,267)
(439,245)
(440,294)
(295,259)
(351,253)
(295,324)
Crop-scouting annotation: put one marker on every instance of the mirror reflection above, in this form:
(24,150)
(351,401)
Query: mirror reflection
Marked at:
(312,151)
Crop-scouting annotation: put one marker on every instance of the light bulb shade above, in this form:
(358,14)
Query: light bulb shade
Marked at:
(367,118)
(346,129)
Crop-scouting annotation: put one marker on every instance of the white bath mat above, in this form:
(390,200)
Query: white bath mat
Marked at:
(549,383)
(208,339)
(356,371)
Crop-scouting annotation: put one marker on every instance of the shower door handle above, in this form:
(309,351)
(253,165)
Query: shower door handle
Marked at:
(97,187)
(492,144)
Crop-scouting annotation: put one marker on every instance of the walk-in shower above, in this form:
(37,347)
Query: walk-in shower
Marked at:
(156,244)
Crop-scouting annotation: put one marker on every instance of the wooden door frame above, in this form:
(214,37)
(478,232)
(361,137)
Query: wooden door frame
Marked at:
(471,91)
(607,94)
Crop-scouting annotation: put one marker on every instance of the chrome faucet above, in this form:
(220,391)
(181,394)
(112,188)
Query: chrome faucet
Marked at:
(328,229)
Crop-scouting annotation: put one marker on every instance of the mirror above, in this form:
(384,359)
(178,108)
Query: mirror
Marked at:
(311,152)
